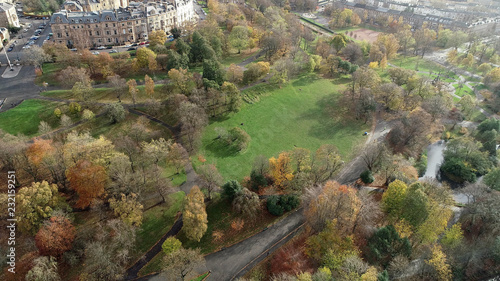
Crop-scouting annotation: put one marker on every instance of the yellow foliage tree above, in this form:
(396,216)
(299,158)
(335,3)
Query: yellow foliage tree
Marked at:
(195,215)
(373,64)
(393,198)
(128,209)
(281,169)
(383,62)
(438,262)
(157,37)
(149,86)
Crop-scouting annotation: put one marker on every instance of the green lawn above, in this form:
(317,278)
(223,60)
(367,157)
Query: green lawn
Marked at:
(157,221)
(25,118)
(50,71)
(413,62)
(201,277)
(464,91)
(298,114)
(238,58)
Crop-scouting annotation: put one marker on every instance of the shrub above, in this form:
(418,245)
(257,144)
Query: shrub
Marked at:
(74,107)
(257,180)
(57,112)
(88,114)
(240,138)
(230,189)
(115,112)
(367,176)
(277,205)
(273,206)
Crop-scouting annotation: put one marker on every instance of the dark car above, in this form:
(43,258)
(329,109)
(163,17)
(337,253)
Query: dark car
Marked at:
(131,49)
(134,45)
(10,49)
(109,47)
(93,48)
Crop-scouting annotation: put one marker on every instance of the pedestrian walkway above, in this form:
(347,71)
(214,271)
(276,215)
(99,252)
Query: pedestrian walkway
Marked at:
(11,73)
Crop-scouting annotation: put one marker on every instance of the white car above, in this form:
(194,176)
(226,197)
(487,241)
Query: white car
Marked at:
(101,48)
(95,53)
(113,51)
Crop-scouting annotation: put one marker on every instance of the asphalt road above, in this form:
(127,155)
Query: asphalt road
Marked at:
(18,88)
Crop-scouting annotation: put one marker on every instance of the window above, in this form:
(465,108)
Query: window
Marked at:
(97,33)
(115,32)
(130,30)
(59,35)
(114,25)
(108,32)
(90,33)
(109,40)
(67,34)
(108,18)
(106,25)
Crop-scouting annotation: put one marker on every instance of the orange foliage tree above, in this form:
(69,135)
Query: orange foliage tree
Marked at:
(281,169)
(88,180)
(339,202)
(37,151)
(55,237)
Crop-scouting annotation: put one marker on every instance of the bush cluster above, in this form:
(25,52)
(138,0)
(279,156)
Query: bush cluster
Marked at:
(277,205)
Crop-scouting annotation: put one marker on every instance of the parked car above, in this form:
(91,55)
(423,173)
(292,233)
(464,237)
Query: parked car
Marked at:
(131,49)
(134,45)
(10,49)
(74,49)
(142,43)
(101,48)
(95,53)
(109,47)
(113,51)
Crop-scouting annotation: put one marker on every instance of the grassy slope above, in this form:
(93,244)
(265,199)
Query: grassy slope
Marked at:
(296,115)
(157,221)
(26,117)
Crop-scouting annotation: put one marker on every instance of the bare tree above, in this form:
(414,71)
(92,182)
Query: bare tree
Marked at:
(213,180)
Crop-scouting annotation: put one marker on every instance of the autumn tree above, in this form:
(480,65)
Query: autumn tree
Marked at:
(88,180)
(70,75)
(145,59)
(238,37)
(171,245)
(211,177)
(118,84)
(182,81)
(195,215)
(234,74)
(329,202)
(193,120)
(55,237)
(179,264)
(393,198)
(115,112)
(35,204)
(424,39)
(44,269)
(157,37)
(247,203)
(36,56)
(82,91)
(128,209)
(439,264)
(281,169)
(325,163)
(149,85)
(177,156)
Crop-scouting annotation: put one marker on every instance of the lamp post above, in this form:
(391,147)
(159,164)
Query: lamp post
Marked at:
(5,51)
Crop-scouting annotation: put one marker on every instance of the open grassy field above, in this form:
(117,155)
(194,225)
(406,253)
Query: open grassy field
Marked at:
(418,64)
(298,114)
(465,90)
(236,58)
(25,118)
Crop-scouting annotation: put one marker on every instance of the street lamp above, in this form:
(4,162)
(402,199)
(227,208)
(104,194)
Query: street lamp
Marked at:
(5,51)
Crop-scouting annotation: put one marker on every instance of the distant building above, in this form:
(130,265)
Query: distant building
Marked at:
(8,15)
(94,5)
(119,26)
(4,34)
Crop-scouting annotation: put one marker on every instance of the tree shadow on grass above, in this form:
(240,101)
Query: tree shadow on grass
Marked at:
(305,80)
(221,150)
(329,123)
